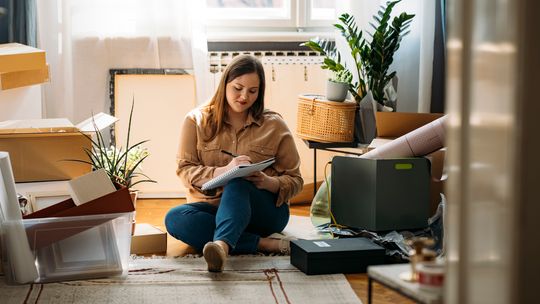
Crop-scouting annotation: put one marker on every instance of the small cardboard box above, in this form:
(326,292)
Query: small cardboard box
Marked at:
(380,194)
(39,148)
(396,124)
(148,239)
(349,255)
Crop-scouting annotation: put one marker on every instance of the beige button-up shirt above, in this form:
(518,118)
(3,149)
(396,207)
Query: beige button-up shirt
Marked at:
(259,139)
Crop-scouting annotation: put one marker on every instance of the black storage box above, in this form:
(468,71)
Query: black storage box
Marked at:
(350,255)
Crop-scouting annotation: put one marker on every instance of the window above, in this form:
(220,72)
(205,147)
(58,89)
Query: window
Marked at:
(271,15)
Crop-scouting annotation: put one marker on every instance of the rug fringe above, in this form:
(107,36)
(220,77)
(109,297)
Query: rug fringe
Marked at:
(196,256)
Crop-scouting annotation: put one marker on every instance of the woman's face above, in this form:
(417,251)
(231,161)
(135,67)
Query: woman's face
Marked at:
(242,92)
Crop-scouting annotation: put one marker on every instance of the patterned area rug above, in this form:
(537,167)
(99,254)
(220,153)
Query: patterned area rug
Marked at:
(246,279)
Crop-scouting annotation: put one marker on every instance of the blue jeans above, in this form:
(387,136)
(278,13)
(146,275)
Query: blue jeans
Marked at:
(245,214)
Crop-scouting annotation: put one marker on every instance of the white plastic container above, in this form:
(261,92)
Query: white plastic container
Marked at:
(73,248)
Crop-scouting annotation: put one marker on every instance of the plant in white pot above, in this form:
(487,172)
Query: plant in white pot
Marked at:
(122,164)
(338,85)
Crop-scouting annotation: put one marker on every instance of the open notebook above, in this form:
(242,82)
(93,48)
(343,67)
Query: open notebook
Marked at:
(238,171)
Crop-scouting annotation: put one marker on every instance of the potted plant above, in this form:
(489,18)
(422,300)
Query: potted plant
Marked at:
(372,60)
(337,86)
(122,164)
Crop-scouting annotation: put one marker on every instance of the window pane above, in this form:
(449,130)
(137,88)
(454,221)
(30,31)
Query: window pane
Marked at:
(248,9)
(323,9)
(245,3)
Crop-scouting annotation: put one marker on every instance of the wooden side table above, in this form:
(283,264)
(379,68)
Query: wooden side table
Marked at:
(388,275)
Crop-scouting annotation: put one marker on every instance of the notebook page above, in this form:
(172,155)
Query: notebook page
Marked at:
(238,171)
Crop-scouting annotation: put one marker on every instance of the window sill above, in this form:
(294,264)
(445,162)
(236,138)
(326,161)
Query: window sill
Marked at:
(230,36)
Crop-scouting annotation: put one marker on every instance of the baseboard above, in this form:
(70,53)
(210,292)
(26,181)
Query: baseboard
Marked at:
(304,197)
(144,194)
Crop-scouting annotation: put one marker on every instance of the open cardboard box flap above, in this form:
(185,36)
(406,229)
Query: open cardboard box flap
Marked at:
(56,125)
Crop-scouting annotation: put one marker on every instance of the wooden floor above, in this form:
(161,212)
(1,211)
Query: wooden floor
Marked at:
(153,211)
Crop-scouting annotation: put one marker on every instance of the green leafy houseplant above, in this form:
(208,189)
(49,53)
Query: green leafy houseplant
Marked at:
(372,60)
(122,164)
(343,76)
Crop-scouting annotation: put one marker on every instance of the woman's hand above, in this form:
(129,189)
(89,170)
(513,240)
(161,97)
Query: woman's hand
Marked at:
(263,181)
(237,161)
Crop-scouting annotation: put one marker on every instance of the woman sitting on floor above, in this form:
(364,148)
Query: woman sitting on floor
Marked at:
(239,217)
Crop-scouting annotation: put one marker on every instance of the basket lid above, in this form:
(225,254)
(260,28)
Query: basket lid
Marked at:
(322,98)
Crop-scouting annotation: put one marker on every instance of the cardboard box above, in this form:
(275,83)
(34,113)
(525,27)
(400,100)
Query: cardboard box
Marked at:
(18,79)
(39,148)
(380,194)
(326,256)
(21,65)
(148,239)
(396,124)
(19,57)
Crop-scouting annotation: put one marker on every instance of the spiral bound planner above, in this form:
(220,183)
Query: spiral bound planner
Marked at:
(238,171)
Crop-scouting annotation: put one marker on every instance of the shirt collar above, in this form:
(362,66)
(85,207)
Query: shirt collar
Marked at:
(250,120)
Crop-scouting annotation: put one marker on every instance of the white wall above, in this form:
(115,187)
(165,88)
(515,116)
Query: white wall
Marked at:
(20,103)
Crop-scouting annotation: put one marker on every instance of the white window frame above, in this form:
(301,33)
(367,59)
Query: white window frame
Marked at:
(299,19)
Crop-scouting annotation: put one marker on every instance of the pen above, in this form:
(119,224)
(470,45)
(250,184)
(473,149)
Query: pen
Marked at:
(229,153)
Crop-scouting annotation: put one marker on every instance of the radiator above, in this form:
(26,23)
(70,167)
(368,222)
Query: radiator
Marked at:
(276,63)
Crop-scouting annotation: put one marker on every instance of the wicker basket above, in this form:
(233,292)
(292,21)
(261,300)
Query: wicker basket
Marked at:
(325,121)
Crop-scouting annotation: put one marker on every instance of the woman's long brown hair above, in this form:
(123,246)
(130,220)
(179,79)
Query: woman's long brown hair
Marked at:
(217,106)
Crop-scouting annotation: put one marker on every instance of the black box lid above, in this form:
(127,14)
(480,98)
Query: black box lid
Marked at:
(339,247)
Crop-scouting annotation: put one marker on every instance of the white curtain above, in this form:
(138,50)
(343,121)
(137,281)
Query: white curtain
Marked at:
(85,38)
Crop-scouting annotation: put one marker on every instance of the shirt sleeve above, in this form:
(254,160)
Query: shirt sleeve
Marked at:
(288,168)
(190,170)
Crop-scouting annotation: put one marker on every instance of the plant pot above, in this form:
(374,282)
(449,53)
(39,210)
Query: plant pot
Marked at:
(134,194)
(336,91)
